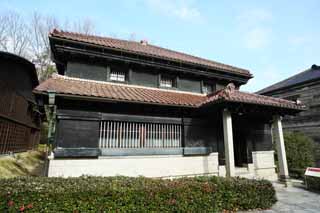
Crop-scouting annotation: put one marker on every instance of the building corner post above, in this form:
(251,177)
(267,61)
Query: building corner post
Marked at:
(280,147)
(228,142)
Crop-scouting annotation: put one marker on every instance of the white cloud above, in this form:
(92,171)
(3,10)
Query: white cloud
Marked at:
(257,38)
(255,27)
(187,13)
(181,9)
(253,17)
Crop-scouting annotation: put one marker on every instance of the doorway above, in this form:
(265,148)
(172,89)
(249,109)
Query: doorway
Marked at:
(240,148)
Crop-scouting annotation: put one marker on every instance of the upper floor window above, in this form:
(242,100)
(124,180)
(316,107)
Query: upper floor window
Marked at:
(292,98)
(207,88)
(117,76)
(167,81)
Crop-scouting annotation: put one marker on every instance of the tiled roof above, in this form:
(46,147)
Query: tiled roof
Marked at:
(308,75)
(148,50)
(138,94)
(119,92)
(230,94)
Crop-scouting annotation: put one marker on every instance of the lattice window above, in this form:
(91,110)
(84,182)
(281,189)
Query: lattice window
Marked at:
(166,81)
(117,134)
(117,76)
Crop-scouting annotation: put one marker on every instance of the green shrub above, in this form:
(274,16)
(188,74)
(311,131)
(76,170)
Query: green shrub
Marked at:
(300,153)
(313,183)
(124,194)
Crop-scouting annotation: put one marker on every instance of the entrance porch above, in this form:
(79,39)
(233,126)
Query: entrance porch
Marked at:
(248,144)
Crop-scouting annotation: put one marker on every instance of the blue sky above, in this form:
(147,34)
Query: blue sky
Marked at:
(273,39)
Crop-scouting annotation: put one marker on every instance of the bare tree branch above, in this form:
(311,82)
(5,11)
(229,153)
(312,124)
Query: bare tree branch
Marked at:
(39,29)
(30,39)
(13,34)
(85,26)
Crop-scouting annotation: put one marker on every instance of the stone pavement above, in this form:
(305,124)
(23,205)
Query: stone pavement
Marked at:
(295,199)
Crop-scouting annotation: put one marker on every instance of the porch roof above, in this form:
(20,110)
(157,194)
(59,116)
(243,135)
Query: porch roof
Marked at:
(68,86)
(230,94)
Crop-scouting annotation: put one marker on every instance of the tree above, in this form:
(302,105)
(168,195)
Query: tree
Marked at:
(39,29)
(13,34)
(85,26)
(29,39)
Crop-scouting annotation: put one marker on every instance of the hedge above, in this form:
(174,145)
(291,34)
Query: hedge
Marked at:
(313,183)
(300,153)
(125,194)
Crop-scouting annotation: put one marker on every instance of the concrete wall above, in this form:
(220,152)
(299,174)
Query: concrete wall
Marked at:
(148,166)
(264,166)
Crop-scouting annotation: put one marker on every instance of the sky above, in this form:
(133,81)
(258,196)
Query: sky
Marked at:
(274,39)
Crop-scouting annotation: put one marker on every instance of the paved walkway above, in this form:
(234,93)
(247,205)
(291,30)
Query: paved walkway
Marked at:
(295,199)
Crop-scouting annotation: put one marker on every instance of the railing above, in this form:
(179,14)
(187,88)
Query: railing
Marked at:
(118,134)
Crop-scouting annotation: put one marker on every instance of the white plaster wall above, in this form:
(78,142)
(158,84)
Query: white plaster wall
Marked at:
(264,166)
(149,166)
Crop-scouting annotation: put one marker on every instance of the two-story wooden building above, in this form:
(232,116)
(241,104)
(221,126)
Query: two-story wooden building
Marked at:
(132,108)
(19,113)
(303,87)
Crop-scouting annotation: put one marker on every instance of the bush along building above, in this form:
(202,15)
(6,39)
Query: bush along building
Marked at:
(132,108)
(303,87)
(19,113)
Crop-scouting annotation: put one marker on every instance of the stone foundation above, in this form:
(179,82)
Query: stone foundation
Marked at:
(148,166)
(162,166)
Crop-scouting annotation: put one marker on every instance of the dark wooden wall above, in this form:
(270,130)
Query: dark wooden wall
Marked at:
(256,130)
(19,122)
(87,71)
(139,75)
(78,123)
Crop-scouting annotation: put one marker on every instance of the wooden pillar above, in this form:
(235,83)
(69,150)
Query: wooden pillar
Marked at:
(228,143)
(280,146)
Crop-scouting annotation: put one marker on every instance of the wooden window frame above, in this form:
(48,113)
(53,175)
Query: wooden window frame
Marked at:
(172,78)
(204,84)
(111,71)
